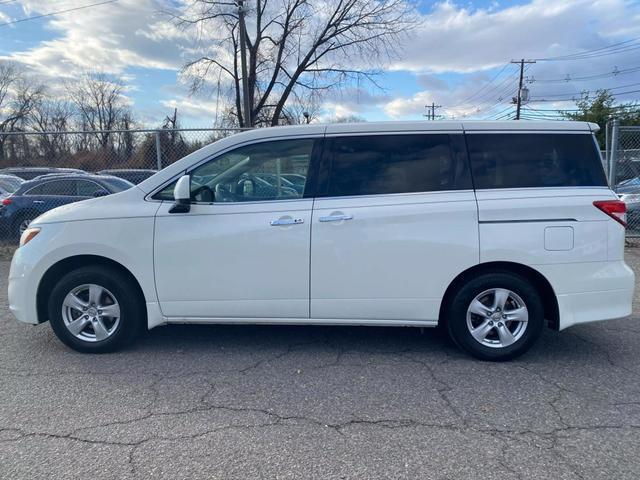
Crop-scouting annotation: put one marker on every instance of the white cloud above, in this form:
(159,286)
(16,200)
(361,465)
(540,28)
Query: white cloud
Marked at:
(453,38)
(458,39)
(107,37)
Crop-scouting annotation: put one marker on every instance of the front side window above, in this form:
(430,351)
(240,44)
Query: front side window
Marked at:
(384,164)
(520,160)
(257,172)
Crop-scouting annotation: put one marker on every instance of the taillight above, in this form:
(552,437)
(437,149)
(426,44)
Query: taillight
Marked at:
(6,201)
(616,209)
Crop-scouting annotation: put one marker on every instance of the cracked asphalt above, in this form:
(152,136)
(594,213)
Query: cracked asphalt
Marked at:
(227,402)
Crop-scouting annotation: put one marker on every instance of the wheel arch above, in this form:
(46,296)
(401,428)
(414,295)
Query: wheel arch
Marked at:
(539,281)
(62,267)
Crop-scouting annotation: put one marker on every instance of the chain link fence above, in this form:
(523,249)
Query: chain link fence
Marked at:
(623,168)
(43,170)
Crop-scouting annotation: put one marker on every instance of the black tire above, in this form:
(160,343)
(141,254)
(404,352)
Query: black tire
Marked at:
(461,301)
(121,287)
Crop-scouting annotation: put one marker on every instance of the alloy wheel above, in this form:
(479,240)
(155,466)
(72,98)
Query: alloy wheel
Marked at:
(91,313)
(497,318)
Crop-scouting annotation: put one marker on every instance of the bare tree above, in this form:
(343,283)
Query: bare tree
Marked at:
(53,117)
(18,97)
(100,105)
(293,45)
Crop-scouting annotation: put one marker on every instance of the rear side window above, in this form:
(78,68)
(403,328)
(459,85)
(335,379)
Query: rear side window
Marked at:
(520,160)
(55,188)
(384,164)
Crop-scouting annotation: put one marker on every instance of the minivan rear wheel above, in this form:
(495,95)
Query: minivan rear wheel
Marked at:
(496,316)
(96,309)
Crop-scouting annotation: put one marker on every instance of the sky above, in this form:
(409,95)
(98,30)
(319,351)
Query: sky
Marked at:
(458,57)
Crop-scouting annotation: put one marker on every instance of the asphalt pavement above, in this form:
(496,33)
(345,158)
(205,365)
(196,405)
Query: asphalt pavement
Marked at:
(275,402)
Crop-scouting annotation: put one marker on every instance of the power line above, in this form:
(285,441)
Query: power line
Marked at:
(486,84)
(570,78)
(571,96)
(609,49)
(35,17)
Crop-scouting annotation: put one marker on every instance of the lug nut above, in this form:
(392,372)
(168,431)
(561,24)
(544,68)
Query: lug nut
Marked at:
(500,324)
(86,316)
(490,322)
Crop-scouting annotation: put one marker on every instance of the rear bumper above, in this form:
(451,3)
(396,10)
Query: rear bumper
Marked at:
(591,291)
(588,307)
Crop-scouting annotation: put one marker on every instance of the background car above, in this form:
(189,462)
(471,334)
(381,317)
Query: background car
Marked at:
(629,192)
(9,184)
(132,175)
(35,197)
(29,173)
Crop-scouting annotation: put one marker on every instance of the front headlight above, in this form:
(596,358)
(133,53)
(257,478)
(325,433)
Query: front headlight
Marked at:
(28,235)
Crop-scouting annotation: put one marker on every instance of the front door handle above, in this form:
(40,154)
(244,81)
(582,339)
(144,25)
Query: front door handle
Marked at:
(335,218)
(286,221)
(38,201)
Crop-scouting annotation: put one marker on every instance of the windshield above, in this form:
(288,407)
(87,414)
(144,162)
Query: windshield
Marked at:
(10,185)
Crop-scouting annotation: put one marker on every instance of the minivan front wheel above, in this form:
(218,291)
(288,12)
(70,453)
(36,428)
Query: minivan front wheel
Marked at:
(496,316)
(95,309)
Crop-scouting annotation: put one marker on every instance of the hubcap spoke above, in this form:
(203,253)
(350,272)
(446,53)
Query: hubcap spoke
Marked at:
(95,292)
(500,298)
(505,335)
(479,308)
(72,301)
(518,315)
(100,329)
(111,311)
(78,325)
(481,332)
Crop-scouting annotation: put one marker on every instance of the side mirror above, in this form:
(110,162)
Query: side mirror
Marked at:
(182,195)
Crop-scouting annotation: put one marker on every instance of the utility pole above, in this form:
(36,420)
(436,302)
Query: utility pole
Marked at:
(431,115)
(243,59)
(518,99)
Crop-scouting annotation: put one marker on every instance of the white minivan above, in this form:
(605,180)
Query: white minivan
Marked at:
(490,229)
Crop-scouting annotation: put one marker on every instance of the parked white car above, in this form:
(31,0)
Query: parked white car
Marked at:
(490,228)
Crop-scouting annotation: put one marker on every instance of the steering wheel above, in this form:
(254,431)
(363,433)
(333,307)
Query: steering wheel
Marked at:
(223,194)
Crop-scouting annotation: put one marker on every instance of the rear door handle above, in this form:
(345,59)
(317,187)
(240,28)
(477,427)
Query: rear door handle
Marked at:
(286,221)
(38,201)
(335,218)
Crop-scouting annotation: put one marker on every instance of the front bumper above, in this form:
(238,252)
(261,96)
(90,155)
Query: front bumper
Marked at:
(21,291)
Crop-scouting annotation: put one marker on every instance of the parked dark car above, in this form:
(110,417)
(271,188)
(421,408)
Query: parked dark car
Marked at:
(29,173)
(9,184)
(36,197)
(133,175)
